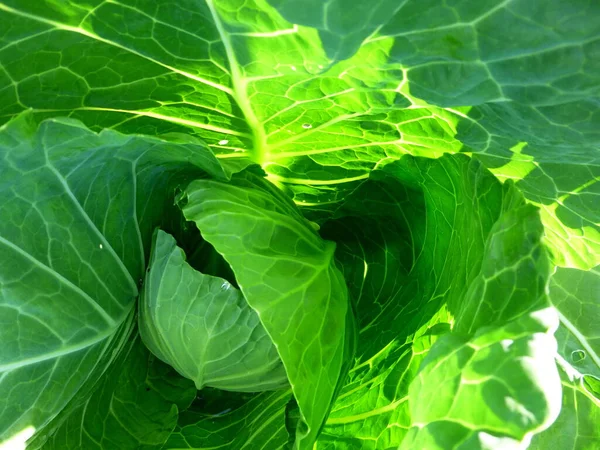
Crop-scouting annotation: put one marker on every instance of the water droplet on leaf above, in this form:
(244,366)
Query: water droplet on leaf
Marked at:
(306,126)
(223,142)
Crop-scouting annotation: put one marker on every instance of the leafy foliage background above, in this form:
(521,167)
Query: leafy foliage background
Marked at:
(343,104)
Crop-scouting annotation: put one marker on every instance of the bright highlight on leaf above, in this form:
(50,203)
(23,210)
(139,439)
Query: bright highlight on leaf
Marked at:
(307,225)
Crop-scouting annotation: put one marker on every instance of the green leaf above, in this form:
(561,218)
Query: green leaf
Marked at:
(575,294)
(135,80)
(514,273)
(268,243)
(494,389)
(322,95)
(135,406)
(577,424)
(493,380)
(402,238)
(337,21)
(566,196)
(255,80)
(203,327)
(259,423)
(78,211)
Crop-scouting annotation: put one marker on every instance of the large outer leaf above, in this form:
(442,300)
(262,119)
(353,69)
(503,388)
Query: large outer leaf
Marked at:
(343,25)
(203,326)
(288,275)
(140,66)
(489,392)
(249,76)
(77,212)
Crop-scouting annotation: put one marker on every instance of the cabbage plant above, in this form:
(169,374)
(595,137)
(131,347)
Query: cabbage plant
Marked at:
(299,224)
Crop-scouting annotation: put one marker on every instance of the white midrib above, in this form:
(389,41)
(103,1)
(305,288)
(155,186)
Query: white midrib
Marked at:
(260,152)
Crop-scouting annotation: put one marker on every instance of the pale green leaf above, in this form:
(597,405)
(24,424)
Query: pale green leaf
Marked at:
(576,296)
(203,327)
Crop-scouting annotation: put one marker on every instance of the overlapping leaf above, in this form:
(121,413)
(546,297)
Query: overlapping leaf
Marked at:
(288,275)
(425,243)
(77,212)
(493,381)
(137,67)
